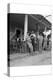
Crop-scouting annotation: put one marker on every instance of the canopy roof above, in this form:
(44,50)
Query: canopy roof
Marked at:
(34,20)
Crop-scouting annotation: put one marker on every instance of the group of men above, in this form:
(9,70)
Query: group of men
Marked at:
(33,38)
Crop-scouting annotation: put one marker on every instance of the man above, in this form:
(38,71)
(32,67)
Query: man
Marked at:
(40,39)
(46,33)
(33,38)
(33,34)
(45,42)
(28,40)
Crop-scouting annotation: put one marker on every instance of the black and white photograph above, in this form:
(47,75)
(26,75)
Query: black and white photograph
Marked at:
(26,40)
(29,39)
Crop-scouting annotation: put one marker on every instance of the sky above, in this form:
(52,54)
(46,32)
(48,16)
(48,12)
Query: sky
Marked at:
(49,18)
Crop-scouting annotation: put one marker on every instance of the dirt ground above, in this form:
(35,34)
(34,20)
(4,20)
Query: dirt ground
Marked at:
(26,59)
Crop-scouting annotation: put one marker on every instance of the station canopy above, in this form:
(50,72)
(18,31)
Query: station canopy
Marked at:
(35,21)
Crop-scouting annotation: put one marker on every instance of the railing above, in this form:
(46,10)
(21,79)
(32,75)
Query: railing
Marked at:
(22,47)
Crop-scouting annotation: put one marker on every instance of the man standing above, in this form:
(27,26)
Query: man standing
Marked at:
(28,40)
(45,42)
(40,39)
(33,37)
(45,38)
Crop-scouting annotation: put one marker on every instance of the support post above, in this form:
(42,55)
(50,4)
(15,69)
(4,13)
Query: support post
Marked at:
(25,26)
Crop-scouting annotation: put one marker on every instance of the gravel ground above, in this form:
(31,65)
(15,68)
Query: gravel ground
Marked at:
(21,59)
